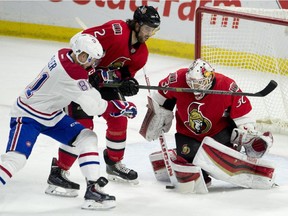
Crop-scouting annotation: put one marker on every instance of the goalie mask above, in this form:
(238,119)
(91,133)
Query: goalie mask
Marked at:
(90,45)
(200,76)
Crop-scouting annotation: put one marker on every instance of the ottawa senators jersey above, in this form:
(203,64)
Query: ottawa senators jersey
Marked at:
(211,114)
(114,37)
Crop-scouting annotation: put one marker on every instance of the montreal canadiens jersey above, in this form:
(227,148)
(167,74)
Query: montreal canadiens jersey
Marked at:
(211,114)
(60,82)
(114,37)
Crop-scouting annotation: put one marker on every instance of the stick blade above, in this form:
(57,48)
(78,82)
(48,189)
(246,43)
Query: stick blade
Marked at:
(268,89)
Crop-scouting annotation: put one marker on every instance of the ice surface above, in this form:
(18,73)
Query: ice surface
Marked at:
(22,60)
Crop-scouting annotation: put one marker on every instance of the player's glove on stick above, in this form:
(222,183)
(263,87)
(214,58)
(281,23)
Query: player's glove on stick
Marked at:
(104,75)
(129,87)
(109,75)
(122,108)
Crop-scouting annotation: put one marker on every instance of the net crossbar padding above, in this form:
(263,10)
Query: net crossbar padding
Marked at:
(249,45)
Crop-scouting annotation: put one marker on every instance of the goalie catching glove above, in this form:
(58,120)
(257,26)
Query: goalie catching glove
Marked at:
(255,143)
(156,121)
(117,108)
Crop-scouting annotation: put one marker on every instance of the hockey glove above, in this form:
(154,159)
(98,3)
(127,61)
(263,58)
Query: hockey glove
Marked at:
(94,80)
(255,143)
(109,75)
(123,108)
(156,121)
(103,75)
(129,87)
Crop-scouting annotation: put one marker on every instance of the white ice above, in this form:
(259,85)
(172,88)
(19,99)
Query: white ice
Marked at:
(22,59)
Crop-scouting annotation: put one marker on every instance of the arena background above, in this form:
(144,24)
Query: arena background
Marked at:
(56,19)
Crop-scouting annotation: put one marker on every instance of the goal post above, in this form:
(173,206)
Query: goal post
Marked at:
(249,45)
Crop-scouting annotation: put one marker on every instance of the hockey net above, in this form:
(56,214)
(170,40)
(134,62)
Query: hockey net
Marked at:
(251,46)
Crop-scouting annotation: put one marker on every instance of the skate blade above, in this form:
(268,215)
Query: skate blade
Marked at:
(93,205)
(121,180)
(59,191)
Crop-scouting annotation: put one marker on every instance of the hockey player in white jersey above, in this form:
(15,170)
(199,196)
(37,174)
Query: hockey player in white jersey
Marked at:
(39,110)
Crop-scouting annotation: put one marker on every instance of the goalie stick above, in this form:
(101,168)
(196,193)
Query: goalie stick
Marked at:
(163,144)
(267,90)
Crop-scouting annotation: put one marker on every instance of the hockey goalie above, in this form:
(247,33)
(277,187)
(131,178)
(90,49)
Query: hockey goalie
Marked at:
(215,134)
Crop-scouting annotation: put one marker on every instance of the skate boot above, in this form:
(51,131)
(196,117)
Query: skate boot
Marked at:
(118,172)
(59,184)
(95,198)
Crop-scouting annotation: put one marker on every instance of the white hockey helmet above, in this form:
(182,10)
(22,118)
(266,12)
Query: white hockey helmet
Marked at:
(200,76)
(88,44)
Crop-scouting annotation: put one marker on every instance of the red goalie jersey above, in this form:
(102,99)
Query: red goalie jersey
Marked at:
(196,118)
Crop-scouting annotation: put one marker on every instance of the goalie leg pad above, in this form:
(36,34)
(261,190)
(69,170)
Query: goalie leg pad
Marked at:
(158,165)
(234,167)
(189,177)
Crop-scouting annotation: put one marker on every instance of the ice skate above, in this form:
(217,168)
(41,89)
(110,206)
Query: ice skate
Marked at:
(59,184)
(95,198)
(118,172)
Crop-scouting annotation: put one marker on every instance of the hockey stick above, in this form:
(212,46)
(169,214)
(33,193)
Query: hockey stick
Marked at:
(267,90)
(163,145)
(81,23)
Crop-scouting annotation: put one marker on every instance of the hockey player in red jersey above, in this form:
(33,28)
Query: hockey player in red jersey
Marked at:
(125,54)
(224,118)
(39,110)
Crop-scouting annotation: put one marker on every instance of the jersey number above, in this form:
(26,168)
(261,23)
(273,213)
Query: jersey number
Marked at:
(36,85)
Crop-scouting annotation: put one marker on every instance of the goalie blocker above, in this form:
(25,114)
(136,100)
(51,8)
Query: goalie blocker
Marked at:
(156,120)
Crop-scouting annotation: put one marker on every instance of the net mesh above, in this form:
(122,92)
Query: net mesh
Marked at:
(252,53)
